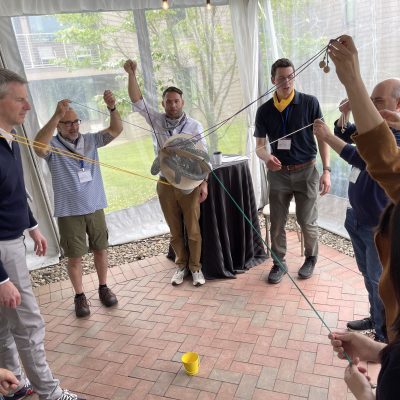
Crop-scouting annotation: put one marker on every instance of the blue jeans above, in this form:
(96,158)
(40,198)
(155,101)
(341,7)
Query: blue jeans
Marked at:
(366,254)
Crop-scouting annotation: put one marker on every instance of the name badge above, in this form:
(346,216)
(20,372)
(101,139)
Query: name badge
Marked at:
(354,173)
(284,144)
(84,176)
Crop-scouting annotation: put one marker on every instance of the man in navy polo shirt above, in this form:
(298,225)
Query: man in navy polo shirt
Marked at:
(367,201)
(291,165)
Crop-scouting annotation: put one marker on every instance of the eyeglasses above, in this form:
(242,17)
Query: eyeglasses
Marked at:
(68,124)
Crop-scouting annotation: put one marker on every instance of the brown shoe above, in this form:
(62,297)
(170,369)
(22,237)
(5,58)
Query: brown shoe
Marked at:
(81,306)
(107,297)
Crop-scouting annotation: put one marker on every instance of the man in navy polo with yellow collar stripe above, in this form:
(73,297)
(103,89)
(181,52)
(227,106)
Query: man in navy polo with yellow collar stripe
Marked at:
(291,165)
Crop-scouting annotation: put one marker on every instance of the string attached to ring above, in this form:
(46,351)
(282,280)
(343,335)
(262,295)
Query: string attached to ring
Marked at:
(324,63)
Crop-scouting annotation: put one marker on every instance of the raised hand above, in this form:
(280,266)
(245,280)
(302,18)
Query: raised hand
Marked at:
(130,66)
(344,55)
(109,99)
(62,108)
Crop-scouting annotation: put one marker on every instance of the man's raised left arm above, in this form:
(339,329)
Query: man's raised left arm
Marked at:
(116,126)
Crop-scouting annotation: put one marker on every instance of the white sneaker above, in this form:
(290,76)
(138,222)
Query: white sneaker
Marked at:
(198,278)
(179,274)
(66,395)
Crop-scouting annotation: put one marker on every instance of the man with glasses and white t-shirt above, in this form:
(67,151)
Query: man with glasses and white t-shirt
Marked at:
(79,197)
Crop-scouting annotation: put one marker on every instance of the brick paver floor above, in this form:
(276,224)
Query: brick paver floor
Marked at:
(255,340)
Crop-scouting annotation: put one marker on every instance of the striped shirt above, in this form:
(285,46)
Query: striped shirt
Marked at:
(71,197)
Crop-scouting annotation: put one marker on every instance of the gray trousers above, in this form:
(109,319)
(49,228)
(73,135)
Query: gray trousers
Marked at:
(22,329)
(303,186)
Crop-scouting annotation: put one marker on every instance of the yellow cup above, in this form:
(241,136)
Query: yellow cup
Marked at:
(191,363)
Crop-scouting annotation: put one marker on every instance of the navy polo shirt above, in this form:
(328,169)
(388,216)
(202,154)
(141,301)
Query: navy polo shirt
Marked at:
(271,123)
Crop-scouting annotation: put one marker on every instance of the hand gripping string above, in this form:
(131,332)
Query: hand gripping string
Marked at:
(39,145)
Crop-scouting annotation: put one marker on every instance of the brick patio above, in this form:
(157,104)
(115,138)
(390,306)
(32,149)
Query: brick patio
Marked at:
(255,340)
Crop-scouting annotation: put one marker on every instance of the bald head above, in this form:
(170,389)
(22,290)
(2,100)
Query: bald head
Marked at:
(386,95)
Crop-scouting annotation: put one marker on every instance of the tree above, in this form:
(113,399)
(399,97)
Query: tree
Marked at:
(199,50)
(192,45)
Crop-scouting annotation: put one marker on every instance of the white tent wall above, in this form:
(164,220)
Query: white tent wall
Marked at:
(263,30)
(14,8)
(10,58)
(244,16)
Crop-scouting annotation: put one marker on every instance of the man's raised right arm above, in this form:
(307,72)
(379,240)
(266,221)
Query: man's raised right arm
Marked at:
(45,134)
(135,94)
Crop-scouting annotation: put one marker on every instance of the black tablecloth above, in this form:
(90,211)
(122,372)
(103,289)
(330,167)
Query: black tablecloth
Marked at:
(229,243)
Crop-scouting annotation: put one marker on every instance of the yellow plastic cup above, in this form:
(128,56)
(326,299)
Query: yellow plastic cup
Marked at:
(191,362)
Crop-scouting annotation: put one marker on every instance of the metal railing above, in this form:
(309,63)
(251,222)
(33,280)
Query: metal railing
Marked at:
(41,50)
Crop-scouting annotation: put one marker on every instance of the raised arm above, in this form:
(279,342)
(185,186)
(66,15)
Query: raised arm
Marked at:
(116,126)
(46,133)
(344,54)
(135,94)
(375,142)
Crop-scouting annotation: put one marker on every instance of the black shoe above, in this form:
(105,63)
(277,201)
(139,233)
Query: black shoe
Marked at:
(107,297)
(81,306)
(361,324)
(276,273)
(307,268)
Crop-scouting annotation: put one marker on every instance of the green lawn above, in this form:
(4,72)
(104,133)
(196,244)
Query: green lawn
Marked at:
(124,190)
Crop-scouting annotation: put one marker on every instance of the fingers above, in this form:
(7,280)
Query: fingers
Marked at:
(17,299)
(9,295)
(323,189)
(109,98)
(130,66)
(65,102)
(13,301)
(44,247)
(40,247)
(62,107)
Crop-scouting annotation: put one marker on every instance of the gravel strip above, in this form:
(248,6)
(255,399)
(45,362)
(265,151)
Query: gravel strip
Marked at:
(129,252)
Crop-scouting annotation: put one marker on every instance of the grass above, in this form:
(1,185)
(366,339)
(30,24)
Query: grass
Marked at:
(124,190)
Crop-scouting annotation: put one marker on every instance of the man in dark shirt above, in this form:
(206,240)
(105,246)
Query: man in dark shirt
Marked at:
(367,200)
(291,165)
(21,325)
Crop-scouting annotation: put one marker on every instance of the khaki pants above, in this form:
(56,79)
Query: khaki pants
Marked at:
(22,329)
(303,185)
(179,209)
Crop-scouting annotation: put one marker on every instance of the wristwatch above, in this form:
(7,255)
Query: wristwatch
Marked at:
(112,109)
(327,169)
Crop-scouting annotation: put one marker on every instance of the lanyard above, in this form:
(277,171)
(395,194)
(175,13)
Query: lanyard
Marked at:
(81,162)
(171,132)
(284,120)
